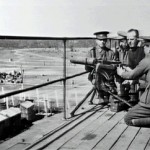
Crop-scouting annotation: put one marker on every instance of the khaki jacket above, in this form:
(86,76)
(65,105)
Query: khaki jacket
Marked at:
(103,54)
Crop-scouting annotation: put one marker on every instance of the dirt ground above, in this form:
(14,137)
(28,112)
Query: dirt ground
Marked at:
(41,65)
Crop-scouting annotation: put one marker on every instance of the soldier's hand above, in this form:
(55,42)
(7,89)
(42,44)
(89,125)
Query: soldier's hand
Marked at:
(120,71)
(127,68)
(128,82)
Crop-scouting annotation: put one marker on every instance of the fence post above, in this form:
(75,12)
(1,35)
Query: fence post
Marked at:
(56,97)
(3,92)
(7,103)
(23,94)
(12,98)
(38,101)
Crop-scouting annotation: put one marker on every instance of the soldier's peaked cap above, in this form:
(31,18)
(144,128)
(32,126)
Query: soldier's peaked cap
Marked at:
(146,43)
(101,34)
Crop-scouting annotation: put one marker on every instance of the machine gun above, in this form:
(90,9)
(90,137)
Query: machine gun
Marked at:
(105,68)
(96,66)
(93,61)
(105,71)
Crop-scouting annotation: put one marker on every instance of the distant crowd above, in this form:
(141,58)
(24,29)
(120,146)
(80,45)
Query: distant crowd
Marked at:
(12,77)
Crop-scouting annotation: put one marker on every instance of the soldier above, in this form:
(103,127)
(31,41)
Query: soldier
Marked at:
(123,50)
(102,52)
(139,115)
(133,53)
(132,49)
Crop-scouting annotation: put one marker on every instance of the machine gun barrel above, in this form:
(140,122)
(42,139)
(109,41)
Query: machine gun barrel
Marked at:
(83,61)
(111,65)
(92,61)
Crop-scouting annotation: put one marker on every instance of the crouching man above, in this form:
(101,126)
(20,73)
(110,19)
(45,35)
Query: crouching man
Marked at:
(139,115)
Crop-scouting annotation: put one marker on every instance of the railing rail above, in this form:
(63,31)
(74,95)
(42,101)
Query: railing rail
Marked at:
(43,38)
(40,85)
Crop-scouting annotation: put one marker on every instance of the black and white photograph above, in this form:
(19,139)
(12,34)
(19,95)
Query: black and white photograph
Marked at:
(75,75)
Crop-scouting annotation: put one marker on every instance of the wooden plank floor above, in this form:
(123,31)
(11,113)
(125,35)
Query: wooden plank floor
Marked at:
(98,129)
(105,130)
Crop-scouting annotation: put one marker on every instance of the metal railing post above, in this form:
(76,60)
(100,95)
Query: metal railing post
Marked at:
(64,81)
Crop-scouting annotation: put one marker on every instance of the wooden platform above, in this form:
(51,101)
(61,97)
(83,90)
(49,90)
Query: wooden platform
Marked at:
(99,129)
(104,130)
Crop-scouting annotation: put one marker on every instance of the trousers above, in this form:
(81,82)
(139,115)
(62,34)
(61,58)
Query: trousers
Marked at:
(140,114)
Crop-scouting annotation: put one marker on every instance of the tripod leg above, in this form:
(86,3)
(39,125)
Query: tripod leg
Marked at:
(77,107)
(92,97)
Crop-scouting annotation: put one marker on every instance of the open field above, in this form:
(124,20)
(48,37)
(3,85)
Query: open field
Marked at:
(41,65)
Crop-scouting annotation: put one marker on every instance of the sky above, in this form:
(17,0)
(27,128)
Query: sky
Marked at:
(72,18)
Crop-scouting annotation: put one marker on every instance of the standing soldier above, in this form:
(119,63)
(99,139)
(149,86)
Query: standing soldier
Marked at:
(132,52)
(101,52)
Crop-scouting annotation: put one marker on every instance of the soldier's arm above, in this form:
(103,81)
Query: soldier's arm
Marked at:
(140,70)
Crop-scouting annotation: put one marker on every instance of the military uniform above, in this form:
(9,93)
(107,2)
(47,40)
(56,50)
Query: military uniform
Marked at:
(140,112)
(131,58)
(101,53)
(135,56)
